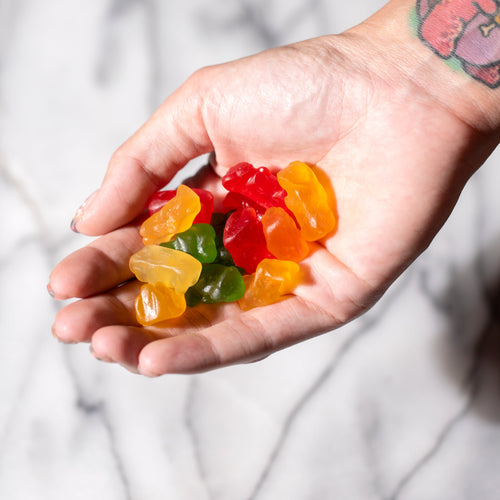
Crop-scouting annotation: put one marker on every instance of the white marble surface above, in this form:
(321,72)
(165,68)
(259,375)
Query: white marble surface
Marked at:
(402,404)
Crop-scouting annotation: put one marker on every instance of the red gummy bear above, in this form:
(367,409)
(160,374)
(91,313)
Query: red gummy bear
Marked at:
(160,198)
(244,239)
(237,201)
(258,184)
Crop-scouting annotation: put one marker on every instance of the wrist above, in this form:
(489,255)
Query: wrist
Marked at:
(408,54)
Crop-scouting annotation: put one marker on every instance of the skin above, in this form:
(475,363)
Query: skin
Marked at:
(388,125)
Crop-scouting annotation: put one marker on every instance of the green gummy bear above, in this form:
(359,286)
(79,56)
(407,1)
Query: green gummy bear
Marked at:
(198,241)
(217,283)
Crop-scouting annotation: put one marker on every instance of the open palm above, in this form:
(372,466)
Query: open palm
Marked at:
(396,159)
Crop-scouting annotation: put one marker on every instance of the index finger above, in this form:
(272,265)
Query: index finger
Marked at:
(147,161)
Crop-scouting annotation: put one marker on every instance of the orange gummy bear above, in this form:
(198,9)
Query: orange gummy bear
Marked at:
(283,238)
(307,200)
(272,280)
(176,216)
(156,303)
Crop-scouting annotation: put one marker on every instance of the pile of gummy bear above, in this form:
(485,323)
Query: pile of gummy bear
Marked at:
(249,253)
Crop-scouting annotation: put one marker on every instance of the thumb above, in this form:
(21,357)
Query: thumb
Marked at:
(147,161)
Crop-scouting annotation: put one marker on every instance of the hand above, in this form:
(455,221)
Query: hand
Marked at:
(395,157)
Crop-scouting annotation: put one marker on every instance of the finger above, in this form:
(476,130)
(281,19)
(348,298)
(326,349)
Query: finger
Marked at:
(78,321)
(211,336)
(116,336)
(122,346)
(251,336)
(147,161)
(104,263)
(97,267)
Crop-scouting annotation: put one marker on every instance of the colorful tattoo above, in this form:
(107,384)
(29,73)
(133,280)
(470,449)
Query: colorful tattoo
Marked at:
(465,30)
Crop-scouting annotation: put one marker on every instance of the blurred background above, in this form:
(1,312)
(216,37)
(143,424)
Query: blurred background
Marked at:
(403,403)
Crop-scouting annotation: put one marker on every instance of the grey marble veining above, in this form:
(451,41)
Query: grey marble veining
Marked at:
(401,404)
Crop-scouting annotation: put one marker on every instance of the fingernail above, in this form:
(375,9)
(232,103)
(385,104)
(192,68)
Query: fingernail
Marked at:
(91,350)
(212,159)
(99,358)
(80,212)
(73,225)
(130,368)
(54,295)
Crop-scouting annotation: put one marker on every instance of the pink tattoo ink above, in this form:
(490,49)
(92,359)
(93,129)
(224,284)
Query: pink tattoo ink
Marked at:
(468,30)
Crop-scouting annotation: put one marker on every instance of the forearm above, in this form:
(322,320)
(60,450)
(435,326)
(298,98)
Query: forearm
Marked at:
(451,52)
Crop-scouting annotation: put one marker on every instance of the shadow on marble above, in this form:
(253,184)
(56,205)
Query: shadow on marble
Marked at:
(469,348)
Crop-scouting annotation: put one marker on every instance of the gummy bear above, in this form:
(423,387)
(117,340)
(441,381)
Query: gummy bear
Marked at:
(173,268)
(308,201)
(238,201)
(244,238)
(218,222)
(176,216)
(156,303)
(272,280)
(160,198)
(198,241)
(258,184)
(217,283)
(283,237)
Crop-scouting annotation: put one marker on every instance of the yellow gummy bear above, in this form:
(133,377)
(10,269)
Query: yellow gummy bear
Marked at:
(176,216)
(156,303)
(272,280)
(175,269)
